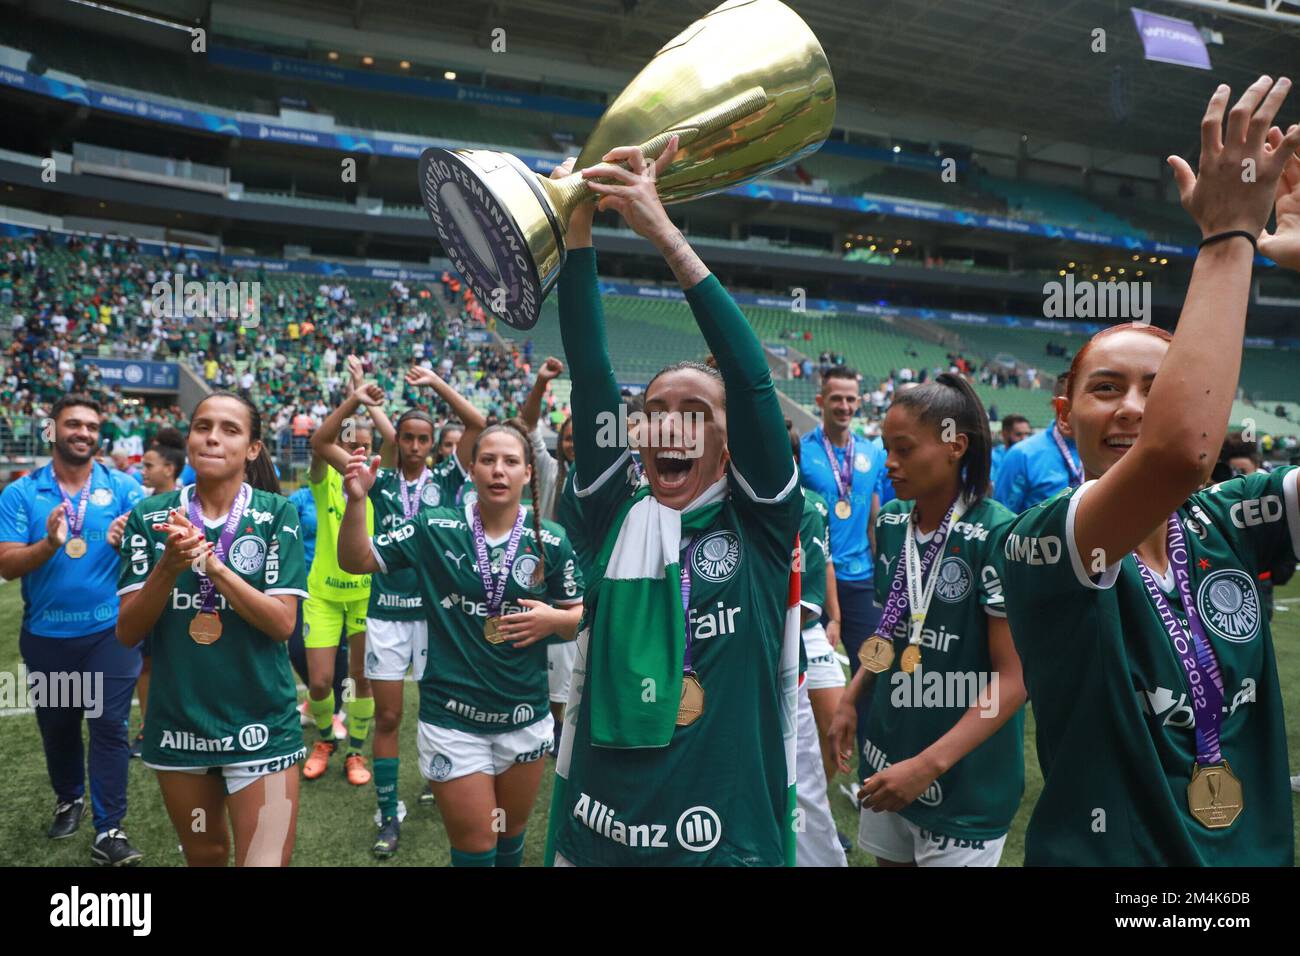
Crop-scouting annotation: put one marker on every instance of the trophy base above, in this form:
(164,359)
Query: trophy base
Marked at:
(497,226)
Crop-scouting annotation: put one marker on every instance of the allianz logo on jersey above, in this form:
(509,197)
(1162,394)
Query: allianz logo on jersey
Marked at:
(698,828)
(250,736)
(1178,713)
(521,714)
(1029,550)
(394,601)
(933,795)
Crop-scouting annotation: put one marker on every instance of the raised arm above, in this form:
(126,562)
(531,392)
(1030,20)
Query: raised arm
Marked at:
(324,440)
(1186,412)
(460,406)
(531,413)
(756,433)
(383,424)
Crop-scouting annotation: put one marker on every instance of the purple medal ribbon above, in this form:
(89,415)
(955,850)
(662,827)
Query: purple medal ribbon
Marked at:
(208,590)
(843,473)
(896,604)
(495,590)
(688,552)
(77,515)
(412,505)
(1076,471)
(1191,645)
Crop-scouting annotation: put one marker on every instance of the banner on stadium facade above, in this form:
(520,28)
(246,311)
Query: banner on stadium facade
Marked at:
(1170,40)
(136,376)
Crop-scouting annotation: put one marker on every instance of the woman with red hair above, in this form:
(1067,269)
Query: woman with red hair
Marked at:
(1132,598)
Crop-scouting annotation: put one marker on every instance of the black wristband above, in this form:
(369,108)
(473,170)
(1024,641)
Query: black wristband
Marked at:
(1219,236)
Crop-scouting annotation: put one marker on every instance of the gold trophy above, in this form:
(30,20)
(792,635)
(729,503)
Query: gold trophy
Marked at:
(746,88)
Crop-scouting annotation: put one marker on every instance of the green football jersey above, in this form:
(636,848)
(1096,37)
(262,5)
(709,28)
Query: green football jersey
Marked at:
(717,794)
(816,550)
(978,796)
(570,518)
(325,579)
(472,685)
(235,700)
(396,596)
(1116,732)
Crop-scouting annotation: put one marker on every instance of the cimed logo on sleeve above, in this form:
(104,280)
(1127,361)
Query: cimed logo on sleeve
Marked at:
(1229,605)
(717,556)
(247,554)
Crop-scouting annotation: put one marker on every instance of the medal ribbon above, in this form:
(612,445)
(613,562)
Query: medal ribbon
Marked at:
(843,473)
(1191,645)
(412,505)
(495,590)
(208,590)
(688,555)
(920,589)
(1076,471)
(897,603)
(77,515)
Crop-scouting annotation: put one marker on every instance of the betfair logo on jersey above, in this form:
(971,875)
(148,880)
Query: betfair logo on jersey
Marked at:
(184,601)
(954,581)
(1177,711)
(1256,511)
(940,640)
(248,554)
(719,621)
(717,556)
(1044,550)
(1229,604)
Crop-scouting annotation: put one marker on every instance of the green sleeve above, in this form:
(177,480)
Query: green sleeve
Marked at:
(990,563)
(289,573)
(398,547)
(602,481)
(563,576)
(137,552)
(756,433)
(1258,514)
(812,542)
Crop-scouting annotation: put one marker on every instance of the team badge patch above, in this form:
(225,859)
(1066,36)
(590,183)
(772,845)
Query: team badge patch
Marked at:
(860,462)
(101,497)
(1229,605)
(717,556)
(470,496)
(430,495)
(441,766)
(954,580)
(524,568)
(247,554)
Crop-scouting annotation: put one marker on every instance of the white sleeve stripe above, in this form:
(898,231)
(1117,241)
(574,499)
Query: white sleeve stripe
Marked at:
(995,612)
(749,492)
(298,591)
(1112,571)
(604,477)
(568,602)
(1292,498)
(815,608)
(379,560)
(129,588)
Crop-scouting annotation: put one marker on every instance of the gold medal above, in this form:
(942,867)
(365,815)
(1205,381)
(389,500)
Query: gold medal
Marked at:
(75,547)
(1214,796)
(843,508)
(876,654)
(492,633)
(205,627)
(692,703)
(911,658)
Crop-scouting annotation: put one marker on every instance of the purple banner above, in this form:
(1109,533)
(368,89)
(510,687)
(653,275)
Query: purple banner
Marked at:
(1170,40)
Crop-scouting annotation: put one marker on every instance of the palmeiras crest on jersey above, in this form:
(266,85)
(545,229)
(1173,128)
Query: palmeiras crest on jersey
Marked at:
(430,495)
(1229,605)
(524,568)
(247,554)
(954,580)
(717,556)
(441,766)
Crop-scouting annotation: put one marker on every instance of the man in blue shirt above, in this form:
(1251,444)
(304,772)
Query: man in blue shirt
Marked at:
(1038,467)
(60,527)
(1015,429)
(846,471)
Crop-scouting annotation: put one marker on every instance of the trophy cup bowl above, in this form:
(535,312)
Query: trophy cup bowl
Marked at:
(746,88)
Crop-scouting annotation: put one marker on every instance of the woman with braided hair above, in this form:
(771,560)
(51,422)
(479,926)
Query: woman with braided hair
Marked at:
(499,584)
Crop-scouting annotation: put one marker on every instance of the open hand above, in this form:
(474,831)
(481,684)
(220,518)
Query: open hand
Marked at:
(631,191)
(526,628)
(1283,245)
(360,476)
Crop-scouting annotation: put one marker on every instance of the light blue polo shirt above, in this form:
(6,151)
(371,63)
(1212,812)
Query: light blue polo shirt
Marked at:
(850,546)
(1033,470)
(69,597)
